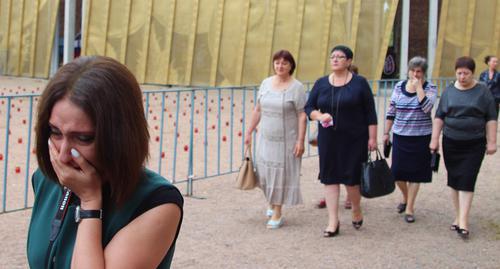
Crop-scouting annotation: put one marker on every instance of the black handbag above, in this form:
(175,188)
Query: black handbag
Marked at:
(376,177)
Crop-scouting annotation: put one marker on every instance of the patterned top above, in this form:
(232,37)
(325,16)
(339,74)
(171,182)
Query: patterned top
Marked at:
(411,117)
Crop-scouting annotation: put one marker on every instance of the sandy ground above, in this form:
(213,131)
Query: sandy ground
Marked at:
(225,228)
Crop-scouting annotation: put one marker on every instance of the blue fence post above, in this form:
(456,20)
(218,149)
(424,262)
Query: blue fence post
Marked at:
(174,161)
(205,142)
(243,117)
(218,130)
(6,161)
(254,133)
(28,153)
(162,119)
(231,119)
(146,107)
(189,188)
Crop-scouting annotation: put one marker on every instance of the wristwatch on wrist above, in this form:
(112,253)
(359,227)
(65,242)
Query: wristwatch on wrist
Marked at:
(87,214)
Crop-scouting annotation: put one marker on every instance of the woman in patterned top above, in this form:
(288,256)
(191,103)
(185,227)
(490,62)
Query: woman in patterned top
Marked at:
(409,117)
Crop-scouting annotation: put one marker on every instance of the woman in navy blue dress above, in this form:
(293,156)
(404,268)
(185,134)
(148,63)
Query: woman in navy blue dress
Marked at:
(343,104)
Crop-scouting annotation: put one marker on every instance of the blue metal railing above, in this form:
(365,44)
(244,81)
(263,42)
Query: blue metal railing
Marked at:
(199,139)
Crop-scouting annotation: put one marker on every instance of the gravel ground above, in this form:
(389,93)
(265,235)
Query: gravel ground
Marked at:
(225,228)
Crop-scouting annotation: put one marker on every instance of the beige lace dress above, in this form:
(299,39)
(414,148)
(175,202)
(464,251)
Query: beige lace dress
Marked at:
(277,168)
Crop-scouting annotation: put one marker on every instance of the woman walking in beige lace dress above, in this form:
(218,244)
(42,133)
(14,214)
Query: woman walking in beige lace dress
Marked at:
(280,111)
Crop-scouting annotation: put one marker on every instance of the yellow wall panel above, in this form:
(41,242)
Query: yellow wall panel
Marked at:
(28,39)
(482,43)
(199,66)
(256,60)
(160,41)
(227,36)
(312,58)
(117,25)
(232,43)
(96,31)
(15,36)
(180,41)
(287,24)
(4,34)
(496,31)
(138,35)
(466,28)
(370,37)
(221,42)
(46,23)
(337,33)
(203,42)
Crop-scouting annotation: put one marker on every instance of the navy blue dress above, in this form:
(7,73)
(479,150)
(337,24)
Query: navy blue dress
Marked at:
(343,146)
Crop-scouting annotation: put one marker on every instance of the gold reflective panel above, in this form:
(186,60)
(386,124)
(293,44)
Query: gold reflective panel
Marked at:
(467,28)
(26,36)
(231,42)
(203,42)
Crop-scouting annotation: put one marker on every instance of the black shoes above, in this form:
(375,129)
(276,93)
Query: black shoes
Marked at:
(463,233)
(401,208)
(357,224)
(409,218)
(332,234)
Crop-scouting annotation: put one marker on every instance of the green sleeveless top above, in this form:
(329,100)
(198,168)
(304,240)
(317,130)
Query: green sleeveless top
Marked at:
(47,196)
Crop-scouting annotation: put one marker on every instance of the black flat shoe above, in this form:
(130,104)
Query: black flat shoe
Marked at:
(401,208)
(332,234)
(409,218)
(454,227)
(463,233)
(357,224)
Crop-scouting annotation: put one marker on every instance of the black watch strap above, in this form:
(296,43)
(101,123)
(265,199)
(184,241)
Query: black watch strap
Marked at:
(87,214)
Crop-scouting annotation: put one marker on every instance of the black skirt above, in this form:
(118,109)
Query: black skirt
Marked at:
(463,159)
(411,158)
(340,157)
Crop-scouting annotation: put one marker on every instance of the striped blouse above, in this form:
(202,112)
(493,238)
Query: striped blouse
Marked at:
(411,117)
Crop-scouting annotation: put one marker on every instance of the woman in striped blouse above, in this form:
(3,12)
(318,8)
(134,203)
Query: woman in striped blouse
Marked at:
(409,117)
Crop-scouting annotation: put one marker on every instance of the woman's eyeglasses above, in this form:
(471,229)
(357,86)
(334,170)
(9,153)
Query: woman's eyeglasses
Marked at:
(337,57)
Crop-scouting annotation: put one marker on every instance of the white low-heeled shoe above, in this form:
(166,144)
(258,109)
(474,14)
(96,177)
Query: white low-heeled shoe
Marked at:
(275,224)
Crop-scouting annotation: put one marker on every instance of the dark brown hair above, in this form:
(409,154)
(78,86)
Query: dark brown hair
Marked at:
(354,69)
(465,62)
(487,59)
(111,97)
(287,56)
(345,49)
